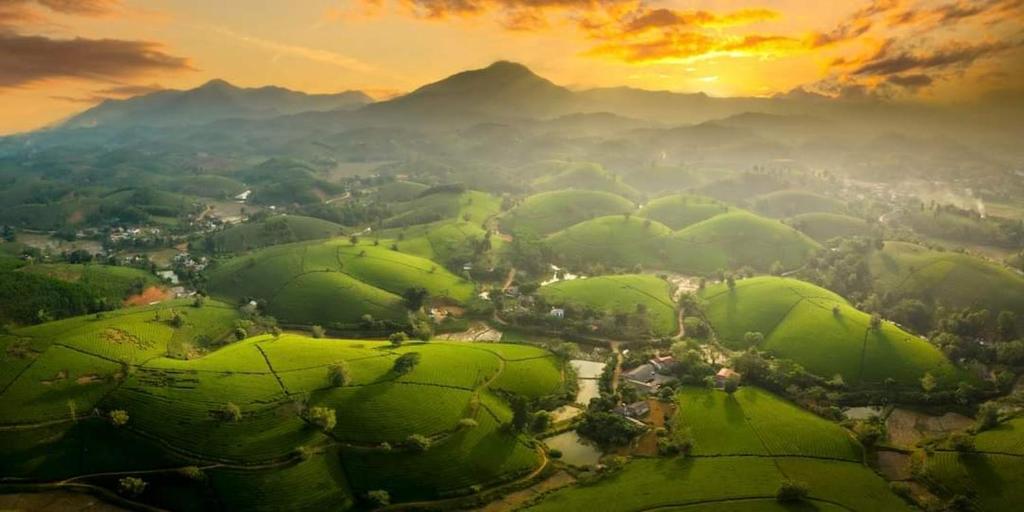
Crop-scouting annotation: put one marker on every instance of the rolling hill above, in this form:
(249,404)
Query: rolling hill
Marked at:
(268,455)
(619,294)
(680,211)
(280,229)
(825,226)
(822,332)
(787,203)
(558,175)
(614,240)
(993,473)
(548,212)
(333,283)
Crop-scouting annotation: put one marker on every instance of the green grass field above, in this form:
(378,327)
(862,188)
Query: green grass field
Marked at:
(333,282)
(798,323)
(994,474)
(175,417)
(400,191)
(787,203)
(611,240)
(949,278)
(469,206)
(756,422)
(679,211)
(620,294)
(113,283)
(548,212)
(560,175)
(726,483)
(280,229)
(825,226)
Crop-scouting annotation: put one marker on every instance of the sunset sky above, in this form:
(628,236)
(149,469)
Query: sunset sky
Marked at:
(58,57)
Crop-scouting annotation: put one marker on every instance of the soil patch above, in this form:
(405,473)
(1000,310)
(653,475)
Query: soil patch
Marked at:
(516,499)
(149,296)
(906,428)
(894,465)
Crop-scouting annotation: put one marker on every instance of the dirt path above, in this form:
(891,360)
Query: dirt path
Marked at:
(618,366)
(508,279)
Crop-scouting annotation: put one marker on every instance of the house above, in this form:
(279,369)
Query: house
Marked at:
(724,375)
(558,313)
(663,363)
(635,410)
(646,378)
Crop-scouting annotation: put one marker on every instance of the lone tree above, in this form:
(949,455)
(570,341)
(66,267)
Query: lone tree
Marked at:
(231,412)
(318,331)
(520,412)
(323,417)
(928,382)
(406,362)
(988,417)
(730,281)
(119,417)
(338,374)
(731,385)
(876,321)
(417,443)
(378,498)
(753,338)
(415,297)
(397,338)
(791,491)
(131,486)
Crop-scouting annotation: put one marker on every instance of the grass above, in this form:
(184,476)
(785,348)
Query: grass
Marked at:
(334,282)
(756,422)
(559,175)
(947,278)
(680,211)
(726,483)
(110,282)
(994,480)
(272,231)
(825,226)
(619,294)
(798,323)
(315,484)
(612,240)
(787,203)
(548,212)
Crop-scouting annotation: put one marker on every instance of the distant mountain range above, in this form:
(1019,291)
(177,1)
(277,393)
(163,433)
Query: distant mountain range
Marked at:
(214,100)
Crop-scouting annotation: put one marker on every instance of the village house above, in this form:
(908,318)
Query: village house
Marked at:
(558,313)
(635,410)
(724,375)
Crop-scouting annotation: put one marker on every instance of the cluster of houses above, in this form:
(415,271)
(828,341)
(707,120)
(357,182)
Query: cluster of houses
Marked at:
(651,376)
(186,260)
(132,234)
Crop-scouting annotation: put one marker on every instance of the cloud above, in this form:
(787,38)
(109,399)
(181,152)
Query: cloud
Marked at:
(891,62)
(314,54)
(31,11)
(911,81)
(114,92)
(26,59)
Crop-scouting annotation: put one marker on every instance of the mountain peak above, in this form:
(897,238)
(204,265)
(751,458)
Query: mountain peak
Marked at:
(217,83)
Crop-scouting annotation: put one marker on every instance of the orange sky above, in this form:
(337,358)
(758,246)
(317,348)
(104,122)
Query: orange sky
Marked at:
(58,57)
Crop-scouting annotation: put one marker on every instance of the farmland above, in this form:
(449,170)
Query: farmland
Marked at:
(280,229)
(333,282)
(548,212)
(787,203)
(821,331)
(680,211)
(272,380)
(619,294)
(825,226)
(993,471)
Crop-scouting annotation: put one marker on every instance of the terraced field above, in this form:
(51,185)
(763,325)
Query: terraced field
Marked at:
(825,226)
(994,474)
(176,418)
(798,322)
(548,212)
(726,241)
(619,294)
(333,282)
(280,229)
(949,278)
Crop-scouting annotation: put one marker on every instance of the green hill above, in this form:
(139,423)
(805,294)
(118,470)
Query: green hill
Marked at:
(680,211)
(444,203)
(993,474)
(612,240)
(737,239)
(270,457)
(947,278)
(400,191)
(280,229)
(787,203)
(825,226)
(112,283)
(619,293)
(745,445)
(548,212)
(333,283)
(557,175)
(798,323)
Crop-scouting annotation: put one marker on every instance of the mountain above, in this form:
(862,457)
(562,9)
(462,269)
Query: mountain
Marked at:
(214,100)
(503,90)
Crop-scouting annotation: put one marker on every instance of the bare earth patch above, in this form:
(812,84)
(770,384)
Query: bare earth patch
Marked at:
(906,428)
(59,377)
(122,337)
(894,465)
(89,378)
(518,498)
(148,296)
(478,331)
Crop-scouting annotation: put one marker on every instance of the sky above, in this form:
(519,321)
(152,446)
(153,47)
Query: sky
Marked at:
(59,57)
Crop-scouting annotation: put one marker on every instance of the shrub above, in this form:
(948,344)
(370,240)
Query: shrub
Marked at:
(318,331)
(417,443)
(555,453)
(338,374)
(323,417)
(467,424)
(378,498)
(231,412)
(119,417)
(791,491)
(397,338)
(988,417)
(131,486)
(192,473)
(406,362)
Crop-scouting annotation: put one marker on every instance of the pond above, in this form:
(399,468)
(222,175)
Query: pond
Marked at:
(575,450)
(587,373)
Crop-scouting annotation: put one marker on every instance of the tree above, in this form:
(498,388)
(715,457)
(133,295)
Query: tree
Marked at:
(730,281)
(177,319)
(776,269)
(961,442)
(131,486)
(928,382)
(241,334)
(231,412)
(199,301)
(354,240)
(318,331)
(1006,323)
(541,421)
(753,338)
(417,443)
(731,385)
(338,374)
(520,412)
(988,416)
(323,417)
(378,498)
(876,321)
(415,297)
(119,417)
(791,491)
(406,362)
(608,429)
(397,338)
